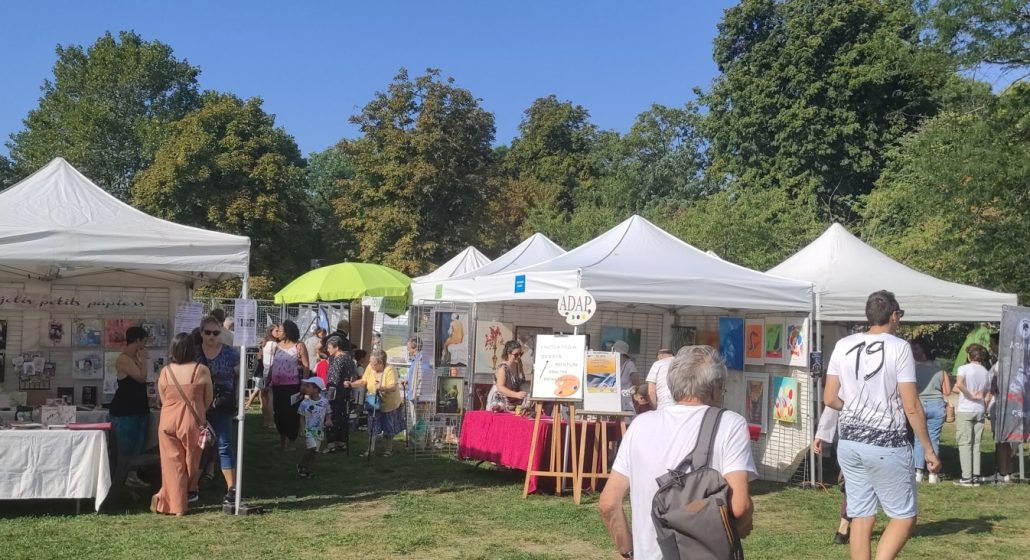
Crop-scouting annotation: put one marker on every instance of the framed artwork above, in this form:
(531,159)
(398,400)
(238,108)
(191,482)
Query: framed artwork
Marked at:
(490,339)
(756,399)
(3,363)
(114,332)
(754,345)
(159,359)
(89,395)
(56,333)
(610,335)
(682,336)
(3,334)
(450,395)
(87,364)
(785,399)
(775,348)
(66,394)
(731,341)
(110,372)
(157,332)
(527,336)
(452,344)
(87,333)
(797,341)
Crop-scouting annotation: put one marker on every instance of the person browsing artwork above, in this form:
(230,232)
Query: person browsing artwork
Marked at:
(508,379)
(130,407)
(383,399)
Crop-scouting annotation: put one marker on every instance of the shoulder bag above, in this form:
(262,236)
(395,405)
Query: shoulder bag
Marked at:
(372,399)
(207,433)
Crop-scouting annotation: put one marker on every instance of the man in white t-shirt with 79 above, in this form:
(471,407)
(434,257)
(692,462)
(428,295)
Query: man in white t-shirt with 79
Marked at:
(871,380)
(657,441)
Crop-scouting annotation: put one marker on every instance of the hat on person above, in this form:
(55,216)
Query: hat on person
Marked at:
(621,347)
(316,381)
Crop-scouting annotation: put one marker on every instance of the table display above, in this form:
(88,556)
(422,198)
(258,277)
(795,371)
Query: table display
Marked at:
(51,464)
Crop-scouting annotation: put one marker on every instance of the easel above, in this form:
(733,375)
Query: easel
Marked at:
(600,447)
(556,466)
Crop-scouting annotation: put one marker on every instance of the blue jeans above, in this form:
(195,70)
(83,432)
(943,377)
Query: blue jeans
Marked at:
(934,422)
(131,432)
(225,435)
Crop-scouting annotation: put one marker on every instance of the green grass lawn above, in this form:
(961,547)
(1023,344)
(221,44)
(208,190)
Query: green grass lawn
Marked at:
(438,508)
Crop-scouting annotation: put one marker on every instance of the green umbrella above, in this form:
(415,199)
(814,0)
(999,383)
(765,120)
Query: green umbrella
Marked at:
(345,281)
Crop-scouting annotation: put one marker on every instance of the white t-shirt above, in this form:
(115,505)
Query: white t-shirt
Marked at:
(658,441)
(975,378)
(657,375)
(627,371)
(869,367)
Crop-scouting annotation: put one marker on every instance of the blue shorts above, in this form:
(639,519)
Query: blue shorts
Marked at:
(881,476)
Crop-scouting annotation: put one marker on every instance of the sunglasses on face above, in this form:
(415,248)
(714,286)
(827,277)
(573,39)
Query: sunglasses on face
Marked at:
(900,312)
(212,333)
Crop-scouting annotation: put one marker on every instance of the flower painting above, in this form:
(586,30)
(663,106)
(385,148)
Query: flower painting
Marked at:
(490,339)
(785,405)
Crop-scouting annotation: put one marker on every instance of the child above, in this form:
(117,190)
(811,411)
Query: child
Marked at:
(313,408)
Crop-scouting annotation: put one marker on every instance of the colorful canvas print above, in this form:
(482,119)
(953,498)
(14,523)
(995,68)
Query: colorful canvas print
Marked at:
(56,333)
(797,341)
(114,332)
(611,335)
(754,341)
(87,333)
(774,341)
(490,339)
(731,341)
(756,399)
(785,399)
(527,336)
(87,364)
(452,345)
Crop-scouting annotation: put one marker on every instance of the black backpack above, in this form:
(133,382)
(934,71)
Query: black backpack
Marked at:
(691,511)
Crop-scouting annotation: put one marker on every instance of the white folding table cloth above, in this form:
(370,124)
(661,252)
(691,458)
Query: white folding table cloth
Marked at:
(49,464)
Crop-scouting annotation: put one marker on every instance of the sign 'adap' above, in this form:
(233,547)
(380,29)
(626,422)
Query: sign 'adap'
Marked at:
(577,306)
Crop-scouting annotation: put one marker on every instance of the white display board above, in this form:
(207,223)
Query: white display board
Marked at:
(245,330)
(188,316)
(603,382)
(558,367)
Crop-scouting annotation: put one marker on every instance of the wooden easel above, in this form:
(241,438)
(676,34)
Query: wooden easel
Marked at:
(556,466)
(600,447)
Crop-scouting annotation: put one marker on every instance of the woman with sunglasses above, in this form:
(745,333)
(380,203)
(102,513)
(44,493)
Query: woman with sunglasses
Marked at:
(224,363)
(508,378)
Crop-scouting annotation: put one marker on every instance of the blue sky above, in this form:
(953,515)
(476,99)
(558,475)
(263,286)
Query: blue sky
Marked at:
(317,63)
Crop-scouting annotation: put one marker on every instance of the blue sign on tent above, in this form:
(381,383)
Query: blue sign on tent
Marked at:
(520,284)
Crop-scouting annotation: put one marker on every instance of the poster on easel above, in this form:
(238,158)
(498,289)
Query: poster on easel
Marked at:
(602,383)
(558,367)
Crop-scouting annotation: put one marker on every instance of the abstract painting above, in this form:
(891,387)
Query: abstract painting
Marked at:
(754,337)
(774,341)
(731,341)
(797,341)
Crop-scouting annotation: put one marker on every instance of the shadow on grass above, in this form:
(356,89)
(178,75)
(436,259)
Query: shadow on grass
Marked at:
(957,525)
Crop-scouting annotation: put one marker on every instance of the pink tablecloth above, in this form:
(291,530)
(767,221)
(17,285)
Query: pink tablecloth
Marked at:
(504,438)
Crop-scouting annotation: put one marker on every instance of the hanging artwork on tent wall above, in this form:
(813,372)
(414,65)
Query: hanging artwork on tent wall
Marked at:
(611,335)
(797,341)
(110,372)
(157,332)
(450,395)
(756,399)
(158,359)
(87,364)
(708,337)
(3,335)
(775,343)
(86,332)
(785,399)
(55,333)
(452,345)
(731,341)
(527,337)
(114,332)
(490,339)
(754,342)
(3,363)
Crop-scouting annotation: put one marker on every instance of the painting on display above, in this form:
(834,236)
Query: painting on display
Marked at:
(754,345)
(490,339)
(683,336)
(158,359)
(56,333)
(89,395)
(87,364)
(708,337)
(114,332)
(756,399)
(611,335)
(157,332)
(527,337)
(775,343)
(785,399)
(110,372)
(3,364)
(602,383)
(797,341)
(452,345)
(731,341)
(450,395)
(3,334)
(87,333)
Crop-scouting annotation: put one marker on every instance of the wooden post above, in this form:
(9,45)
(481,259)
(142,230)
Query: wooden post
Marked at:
(555,467)
(532,448)
(597,470)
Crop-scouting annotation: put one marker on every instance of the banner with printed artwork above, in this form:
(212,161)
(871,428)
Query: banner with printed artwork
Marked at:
(1012,411)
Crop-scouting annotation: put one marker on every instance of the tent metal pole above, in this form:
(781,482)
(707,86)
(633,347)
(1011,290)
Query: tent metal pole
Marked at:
(241,411)
(817,398)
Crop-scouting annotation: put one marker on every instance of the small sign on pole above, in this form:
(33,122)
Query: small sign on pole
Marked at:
(577,306)
(245,330)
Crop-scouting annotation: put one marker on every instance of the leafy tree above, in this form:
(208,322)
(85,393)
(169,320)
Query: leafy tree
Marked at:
(228,167)
(7,174)
(106,109)
(421,168)
(981,31)
(325,172)
(953,200)
(813,92)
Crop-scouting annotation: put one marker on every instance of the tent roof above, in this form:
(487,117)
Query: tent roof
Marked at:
(534,249)
(464,262)
(845,271)
(57,220)
(636,262)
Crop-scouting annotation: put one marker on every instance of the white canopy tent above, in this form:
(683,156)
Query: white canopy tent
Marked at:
(534,249)
(58,226)
(845,271)
(464,262)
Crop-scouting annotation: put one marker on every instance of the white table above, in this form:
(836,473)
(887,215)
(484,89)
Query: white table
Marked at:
(49,464)
(98,416)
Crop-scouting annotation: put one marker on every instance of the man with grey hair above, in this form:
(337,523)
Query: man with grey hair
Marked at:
(658,441)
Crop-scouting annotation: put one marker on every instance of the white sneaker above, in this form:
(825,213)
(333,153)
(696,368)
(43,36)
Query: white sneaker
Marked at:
(919,475)
(1005,479)
(933,478)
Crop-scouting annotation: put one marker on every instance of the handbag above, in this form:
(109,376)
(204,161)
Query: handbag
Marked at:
(207,433)
(224,399)
(372,400)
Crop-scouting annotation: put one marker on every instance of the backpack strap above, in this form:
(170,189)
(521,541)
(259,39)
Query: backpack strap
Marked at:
(705,444)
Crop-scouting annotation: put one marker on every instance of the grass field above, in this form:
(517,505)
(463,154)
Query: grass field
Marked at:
(439,508)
